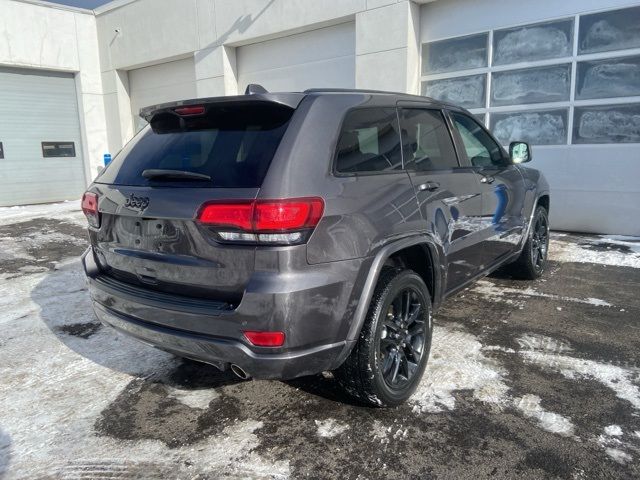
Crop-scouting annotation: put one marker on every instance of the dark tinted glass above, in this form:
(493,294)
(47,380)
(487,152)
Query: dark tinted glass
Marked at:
(234,145)
(369,141)
(426,141)
(481,149)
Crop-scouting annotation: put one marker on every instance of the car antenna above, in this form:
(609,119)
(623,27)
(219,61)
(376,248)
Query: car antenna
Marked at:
(254,88)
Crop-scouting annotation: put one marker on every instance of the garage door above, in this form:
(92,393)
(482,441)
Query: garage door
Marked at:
(41,155)
(319,58)
(166,82)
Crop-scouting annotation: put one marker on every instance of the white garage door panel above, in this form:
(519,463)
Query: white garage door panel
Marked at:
(166,82)
(320,58)
(36,107)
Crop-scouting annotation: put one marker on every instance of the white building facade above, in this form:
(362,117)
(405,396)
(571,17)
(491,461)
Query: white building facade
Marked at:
(563,75)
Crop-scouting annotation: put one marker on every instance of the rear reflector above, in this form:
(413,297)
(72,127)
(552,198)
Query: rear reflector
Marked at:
(90,209)
(264,216)
(265,339)
(189,111)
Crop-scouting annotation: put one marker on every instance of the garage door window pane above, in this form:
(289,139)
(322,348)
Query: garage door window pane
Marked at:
(58,149)
(616,77)
(531,85)
(462,53)
(468,92)
(542,127)
(607,124)
(533,42)
(369,142)
(614,30)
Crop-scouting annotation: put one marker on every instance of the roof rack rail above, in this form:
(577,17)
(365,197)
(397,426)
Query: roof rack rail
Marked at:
(347,90)
(254,88)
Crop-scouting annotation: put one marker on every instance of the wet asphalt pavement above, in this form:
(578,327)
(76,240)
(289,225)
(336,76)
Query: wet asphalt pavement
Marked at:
(526,380)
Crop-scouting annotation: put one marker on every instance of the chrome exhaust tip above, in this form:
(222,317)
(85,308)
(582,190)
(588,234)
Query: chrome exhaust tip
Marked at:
(239,372)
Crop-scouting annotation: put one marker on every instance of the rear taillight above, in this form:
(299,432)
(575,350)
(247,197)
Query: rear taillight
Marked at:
(287,222)
(90,209)
(265,339)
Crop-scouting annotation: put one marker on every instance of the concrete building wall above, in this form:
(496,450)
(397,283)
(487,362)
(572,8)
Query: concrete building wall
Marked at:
(37,35)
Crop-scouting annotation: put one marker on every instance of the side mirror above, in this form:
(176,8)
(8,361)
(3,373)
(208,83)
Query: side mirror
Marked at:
(520,152)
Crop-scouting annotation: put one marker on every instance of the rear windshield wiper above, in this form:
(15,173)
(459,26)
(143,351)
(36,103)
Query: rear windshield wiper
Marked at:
(155,173)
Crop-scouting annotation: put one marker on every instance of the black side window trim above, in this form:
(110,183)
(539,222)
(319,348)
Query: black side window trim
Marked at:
(448,126)
(334,161)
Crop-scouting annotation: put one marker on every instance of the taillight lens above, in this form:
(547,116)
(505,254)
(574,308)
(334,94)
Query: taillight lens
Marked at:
(190,110)
(90,209)
(288,221)
(265,339)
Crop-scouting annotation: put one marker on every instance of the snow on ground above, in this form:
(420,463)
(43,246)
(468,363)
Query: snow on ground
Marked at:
(622,251)
(68,211)
(456,363)
(549,421)
(330,428)
(499,292)
(53,391)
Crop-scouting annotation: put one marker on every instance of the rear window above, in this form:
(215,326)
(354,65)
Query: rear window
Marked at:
(232,144)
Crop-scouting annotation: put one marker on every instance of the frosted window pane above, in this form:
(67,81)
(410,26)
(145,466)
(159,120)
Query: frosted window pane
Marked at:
(460,53)
(533,42)
(468,92)
(615,77)
(615,30)
(531,85)
(607,124)
(540,127)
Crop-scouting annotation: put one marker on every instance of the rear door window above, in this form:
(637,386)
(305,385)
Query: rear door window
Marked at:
(369,142)
(426,141)
(232,144)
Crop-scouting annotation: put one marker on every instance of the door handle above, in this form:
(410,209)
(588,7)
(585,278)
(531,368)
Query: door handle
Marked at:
(429,186)
(488,179)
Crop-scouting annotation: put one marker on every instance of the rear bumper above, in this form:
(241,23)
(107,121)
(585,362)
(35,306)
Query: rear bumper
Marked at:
(315,317)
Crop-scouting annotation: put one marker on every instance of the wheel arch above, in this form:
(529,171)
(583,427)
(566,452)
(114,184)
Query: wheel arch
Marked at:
(404,252)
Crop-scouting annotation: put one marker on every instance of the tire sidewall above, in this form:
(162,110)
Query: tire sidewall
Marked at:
(540,212)
(404,279)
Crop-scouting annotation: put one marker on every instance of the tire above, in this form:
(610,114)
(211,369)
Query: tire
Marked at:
(368,373)
(533,259)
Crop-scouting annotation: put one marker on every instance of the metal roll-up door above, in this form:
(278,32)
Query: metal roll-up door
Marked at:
(41,151)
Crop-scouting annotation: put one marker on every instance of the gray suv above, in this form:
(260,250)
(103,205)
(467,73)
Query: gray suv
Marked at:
(287,234)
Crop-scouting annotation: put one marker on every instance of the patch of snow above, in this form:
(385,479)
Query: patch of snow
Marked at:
(618,379)
(199,398)
(54,387)
(457,362)
(495,292)
(534,342)
(529,405)
(68,211)
(613,430)
(570,251)
(618,455)
(330,428)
